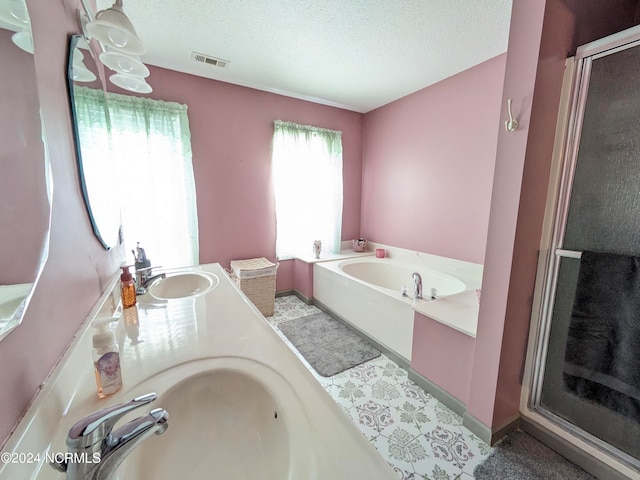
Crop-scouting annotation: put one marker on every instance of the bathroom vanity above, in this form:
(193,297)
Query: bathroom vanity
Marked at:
(240,403)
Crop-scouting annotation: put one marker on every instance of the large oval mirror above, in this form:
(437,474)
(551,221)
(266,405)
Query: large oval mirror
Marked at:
(97,173)
(25,206)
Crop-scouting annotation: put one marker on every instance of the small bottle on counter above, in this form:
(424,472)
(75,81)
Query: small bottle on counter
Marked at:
(127,287)
(106,358)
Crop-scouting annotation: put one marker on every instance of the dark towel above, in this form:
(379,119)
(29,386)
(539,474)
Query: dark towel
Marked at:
(602,357)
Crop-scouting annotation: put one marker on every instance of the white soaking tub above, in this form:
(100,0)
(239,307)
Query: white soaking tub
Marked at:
(367,293)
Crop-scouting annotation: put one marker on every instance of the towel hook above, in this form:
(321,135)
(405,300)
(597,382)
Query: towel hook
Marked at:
(512,124)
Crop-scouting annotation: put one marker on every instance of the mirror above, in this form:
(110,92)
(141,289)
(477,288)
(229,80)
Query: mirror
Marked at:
(97,174)
(25,205)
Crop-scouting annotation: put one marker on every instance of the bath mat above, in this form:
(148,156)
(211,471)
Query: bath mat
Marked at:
(328,345)
(520,456)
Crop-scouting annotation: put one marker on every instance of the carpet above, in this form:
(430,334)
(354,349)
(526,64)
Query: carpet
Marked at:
(521,457)
(329,346)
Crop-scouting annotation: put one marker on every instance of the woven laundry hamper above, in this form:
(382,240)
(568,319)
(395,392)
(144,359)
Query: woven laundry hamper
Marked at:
(256,278)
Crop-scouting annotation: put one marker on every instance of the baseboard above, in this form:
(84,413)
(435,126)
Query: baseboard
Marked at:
(591,464)
(304,298)
(490,435)
(397,358)
(293,291)
(438,393)
(284,293)
(486,434)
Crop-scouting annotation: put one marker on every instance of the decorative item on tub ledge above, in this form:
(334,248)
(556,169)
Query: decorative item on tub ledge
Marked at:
(359,245)
(317,247)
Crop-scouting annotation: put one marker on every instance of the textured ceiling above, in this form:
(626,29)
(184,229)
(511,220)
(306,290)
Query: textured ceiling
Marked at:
(355,54)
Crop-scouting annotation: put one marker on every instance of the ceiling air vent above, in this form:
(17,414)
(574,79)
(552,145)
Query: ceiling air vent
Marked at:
(208,60)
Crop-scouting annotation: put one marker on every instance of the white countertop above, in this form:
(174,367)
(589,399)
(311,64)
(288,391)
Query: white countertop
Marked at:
(459,311)
(221,323)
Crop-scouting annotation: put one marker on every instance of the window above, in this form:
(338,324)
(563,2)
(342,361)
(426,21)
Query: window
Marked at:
(148,150)
(307,180)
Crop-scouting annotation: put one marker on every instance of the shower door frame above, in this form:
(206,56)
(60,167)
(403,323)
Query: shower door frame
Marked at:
(551,250)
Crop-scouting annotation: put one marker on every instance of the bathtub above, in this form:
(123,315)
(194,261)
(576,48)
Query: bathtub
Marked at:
(366,292)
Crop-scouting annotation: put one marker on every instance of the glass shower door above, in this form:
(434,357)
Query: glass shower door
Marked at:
(599,211)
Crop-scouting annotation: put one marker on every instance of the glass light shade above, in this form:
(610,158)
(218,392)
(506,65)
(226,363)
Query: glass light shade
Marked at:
(18,10)
(9,21)
(81,73)
(113,28)
(133,84)
(23,40)
(123,63)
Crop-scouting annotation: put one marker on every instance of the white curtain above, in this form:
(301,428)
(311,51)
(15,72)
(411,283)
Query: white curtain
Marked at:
(307,180)
(150,149)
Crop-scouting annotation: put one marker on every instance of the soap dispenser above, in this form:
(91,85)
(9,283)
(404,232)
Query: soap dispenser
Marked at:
(106,359)
(127,287)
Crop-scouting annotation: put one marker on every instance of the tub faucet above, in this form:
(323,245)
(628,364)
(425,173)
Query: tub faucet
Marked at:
(95,452)
(417,285)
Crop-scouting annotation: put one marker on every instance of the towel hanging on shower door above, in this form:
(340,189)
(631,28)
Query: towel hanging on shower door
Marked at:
(602,356)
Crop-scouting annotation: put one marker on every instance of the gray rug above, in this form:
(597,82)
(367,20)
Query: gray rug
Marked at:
(328,345)
(521,457)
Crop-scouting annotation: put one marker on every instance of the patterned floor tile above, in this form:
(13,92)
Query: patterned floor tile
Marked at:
(411,390)
(480,450)
(412,412)
(418,436)
(449,445)
(372,418)
(395,455)
(446,416)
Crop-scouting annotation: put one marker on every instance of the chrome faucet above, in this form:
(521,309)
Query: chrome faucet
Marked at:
(144,278)
(95,452)
(417,285)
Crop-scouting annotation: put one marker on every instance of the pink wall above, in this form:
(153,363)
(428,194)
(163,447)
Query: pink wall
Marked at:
(78,267)
(231,134)
(522,59)
(428,165)
(22,182)
(443,355)
(284,276)
(538,44)
(303,278)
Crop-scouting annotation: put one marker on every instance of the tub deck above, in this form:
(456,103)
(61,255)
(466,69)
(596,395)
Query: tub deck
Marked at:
(382,313)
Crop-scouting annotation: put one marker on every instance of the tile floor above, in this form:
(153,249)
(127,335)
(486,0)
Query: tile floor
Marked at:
(416,434)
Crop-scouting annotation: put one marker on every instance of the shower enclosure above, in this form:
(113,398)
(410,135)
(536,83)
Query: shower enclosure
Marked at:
(596,208)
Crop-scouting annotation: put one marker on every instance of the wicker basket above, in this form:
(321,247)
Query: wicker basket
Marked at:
(256,278)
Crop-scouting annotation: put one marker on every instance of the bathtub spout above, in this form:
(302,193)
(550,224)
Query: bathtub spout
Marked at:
(417,285)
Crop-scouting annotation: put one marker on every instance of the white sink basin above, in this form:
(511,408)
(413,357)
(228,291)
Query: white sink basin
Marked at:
(229,418)
(183,285)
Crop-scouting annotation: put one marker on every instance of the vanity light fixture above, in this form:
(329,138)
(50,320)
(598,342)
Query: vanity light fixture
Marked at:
(123,63)
(80,71)
(14,16)
(18,10)
(114,29)
(120,46)
(128,82)
(23,40)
